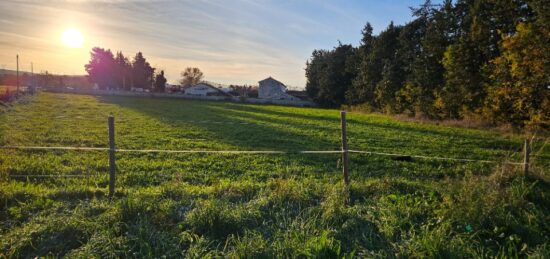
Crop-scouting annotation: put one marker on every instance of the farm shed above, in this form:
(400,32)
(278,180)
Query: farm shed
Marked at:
(204,89)
(273,89)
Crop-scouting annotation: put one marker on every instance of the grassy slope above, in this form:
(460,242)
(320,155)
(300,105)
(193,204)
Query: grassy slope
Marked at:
(270,205)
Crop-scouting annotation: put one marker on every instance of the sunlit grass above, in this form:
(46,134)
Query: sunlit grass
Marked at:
(277,205)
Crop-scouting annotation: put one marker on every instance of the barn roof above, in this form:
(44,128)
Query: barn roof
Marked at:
(272,79)
(213,87)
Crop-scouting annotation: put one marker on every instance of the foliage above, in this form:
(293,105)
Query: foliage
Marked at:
(191,76)
(123,71)
(329,73)
(454,60)
(101,68)
(160,82)
(110,72)
(519,91)
(142,72)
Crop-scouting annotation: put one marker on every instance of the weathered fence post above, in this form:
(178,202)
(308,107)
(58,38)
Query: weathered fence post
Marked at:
(112,164)
(345,160)
(526,157)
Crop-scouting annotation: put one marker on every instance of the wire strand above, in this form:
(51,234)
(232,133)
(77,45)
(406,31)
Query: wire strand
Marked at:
(433,157)
(254,152)
(48,176)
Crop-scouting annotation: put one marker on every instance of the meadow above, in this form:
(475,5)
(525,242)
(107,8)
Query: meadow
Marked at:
(260,205)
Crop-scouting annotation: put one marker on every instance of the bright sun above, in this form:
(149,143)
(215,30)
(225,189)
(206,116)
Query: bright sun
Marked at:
(72,38)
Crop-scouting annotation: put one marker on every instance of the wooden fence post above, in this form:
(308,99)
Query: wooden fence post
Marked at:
(345,160)
(112,165)
(526,157)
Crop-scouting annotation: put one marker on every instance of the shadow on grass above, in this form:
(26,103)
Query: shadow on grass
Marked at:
(239,128)
(269,128)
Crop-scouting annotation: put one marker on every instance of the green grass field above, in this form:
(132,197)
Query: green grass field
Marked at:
(259,205)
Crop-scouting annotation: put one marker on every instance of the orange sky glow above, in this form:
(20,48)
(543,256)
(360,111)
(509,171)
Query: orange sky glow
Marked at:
(232,42)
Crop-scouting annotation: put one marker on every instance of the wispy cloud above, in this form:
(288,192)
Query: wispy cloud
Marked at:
(239,41)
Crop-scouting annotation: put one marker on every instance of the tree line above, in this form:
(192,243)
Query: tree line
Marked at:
(44,79)
(482,59)
(111,71)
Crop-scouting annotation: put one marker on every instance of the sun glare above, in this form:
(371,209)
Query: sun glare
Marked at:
(72,38)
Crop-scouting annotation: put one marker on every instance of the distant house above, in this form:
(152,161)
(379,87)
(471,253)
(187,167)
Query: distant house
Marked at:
(272,89)
(204,89)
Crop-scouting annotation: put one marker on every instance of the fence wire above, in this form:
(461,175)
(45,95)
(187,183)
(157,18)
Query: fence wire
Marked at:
(56,148)
(257,152)
(433,157)
(49,176)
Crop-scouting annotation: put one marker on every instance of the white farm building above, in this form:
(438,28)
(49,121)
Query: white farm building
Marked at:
(204,89)
(270,88)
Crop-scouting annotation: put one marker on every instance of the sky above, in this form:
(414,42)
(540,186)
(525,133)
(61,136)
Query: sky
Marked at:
(231,41)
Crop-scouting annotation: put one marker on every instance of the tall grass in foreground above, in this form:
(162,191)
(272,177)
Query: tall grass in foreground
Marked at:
(498,215)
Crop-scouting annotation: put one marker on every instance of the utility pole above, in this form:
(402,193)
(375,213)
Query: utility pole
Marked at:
(17,61)
(32,79)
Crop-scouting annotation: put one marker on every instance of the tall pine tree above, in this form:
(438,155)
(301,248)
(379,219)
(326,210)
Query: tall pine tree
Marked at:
(142,72)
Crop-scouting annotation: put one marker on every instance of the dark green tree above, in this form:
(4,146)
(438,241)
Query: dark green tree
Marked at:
(123,71)
(142,72)
(328,75)
(463,90)
(409,96)
(392,75)
(359,91)
(101,68)
(160,82)
(455,59)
